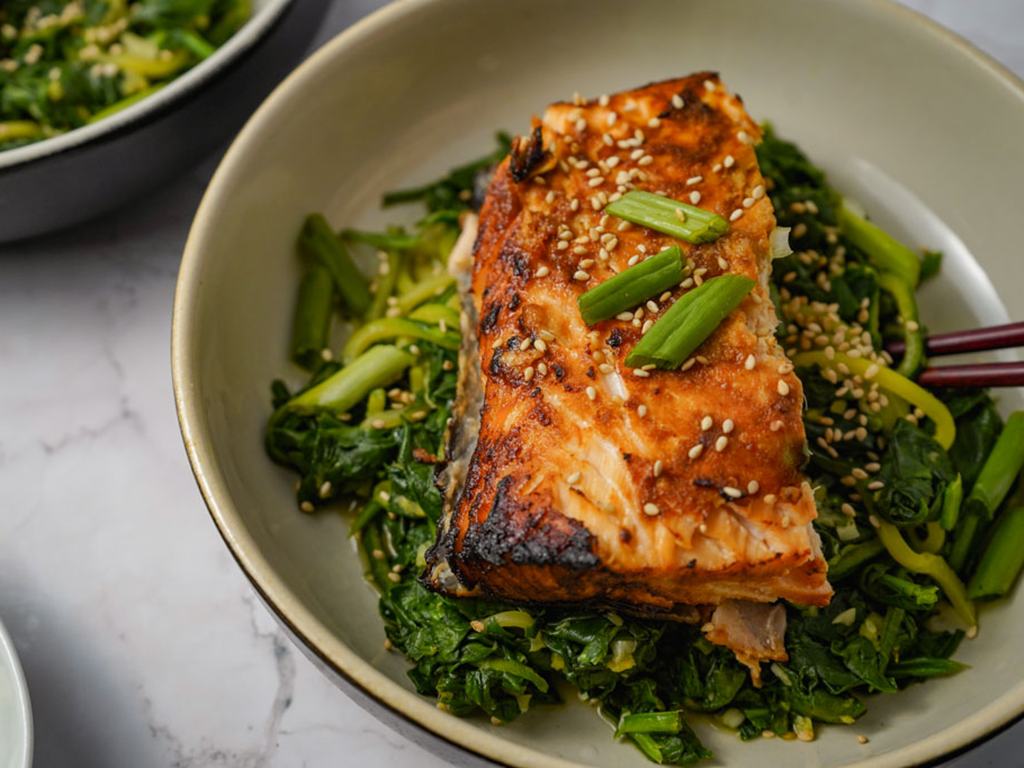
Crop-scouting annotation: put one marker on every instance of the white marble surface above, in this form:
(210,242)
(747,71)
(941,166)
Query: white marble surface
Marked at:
(142,642)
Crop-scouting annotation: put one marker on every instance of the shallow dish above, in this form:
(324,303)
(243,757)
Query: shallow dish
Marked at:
(72,177)
(893,129)
(15,709)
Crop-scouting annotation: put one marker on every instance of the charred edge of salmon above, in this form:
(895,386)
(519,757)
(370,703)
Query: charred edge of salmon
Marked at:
(528,158)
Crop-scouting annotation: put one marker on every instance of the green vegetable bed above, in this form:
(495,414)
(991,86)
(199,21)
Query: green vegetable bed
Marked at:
(66,64)
(910,484)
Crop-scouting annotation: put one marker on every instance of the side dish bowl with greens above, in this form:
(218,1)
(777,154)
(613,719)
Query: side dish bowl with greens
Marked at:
(920,505)
(68,63)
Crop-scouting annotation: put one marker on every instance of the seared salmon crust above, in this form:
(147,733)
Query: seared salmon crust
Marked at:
(572,478)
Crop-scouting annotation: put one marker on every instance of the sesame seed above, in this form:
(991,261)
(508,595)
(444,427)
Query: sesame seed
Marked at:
(721,442)
(747,202)
(706,423)
(658,466)
(645,160)
(694,180)
(540,345)
(732,493)
(783,388)
(875,523)
(625,316)
(641,411)
(753,487)
(581,275)
(728,426)
(696,451)
(636,154)
(750,362)
(378,424)
(605,368)
(597,181)
(680,214)
(575,204)
(766,734)
(862,739)
(651,509)
(573,478)
(876,485)
(306,506)
(848,510)
(757,192)
(654,122)
(735,214)
(744,137)
(694,197)
(775,426)
(581,125)
(603,100)
(591,393)
(528,373)
(394,577)
(641,372)
(677,101)
(729,161)
(723,264)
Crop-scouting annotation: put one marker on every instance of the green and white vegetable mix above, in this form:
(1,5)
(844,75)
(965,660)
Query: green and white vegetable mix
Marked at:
(910,484)
(66,64)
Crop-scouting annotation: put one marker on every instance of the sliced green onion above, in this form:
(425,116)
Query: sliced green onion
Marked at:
(124,103)
(377,367)
(435,313)
(1001,468)
(392,327)
(385,287)
(195,43)
(924,667)
(913,336)
(1003,558)
(930,565)
(675,218)
(997,476)
(312,317)
(851,558)
(423,290)
(945,427)
(632,286)
(19,129)
(648,746)
(651,722)
(884,250)
(951,500)
(688,322)
(318,241)
(520,619)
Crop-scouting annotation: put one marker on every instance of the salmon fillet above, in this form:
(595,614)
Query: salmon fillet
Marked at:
(572,478)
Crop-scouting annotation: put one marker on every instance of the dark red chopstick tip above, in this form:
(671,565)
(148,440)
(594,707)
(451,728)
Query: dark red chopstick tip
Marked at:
(979,375)
(977,340)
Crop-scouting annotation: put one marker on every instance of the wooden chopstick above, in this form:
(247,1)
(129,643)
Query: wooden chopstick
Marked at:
(977,375)
(995,337)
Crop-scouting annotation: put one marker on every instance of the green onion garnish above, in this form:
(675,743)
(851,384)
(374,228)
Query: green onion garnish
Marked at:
(688,322)
(694,225)
(651,722)
(636,284)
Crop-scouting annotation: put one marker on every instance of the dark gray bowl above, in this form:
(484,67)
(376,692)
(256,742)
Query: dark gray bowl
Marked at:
(65,180)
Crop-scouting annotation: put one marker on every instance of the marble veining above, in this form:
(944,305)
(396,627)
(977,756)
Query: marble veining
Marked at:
(157,660)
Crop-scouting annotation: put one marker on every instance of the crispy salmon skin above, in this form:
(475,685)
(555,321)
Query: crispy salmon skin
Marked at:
(571,477)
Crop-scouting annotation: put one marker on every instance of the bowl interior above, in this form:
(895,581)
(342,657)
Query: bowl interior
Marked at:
(263,14)
(922,130)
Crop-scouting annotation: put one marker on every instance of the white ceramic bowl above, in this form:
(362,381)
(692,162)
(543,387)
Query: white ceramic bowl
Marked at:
(15,709)
(921,127)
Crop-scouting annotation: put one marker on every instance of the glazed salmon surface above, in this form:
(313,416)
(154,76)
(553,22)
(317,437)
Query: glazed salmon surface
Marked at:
(571,477)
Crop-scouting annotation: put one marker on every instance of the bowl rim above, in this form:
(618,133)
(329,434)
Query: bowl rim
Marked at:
(250,33)
(9,654)
(318,640)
